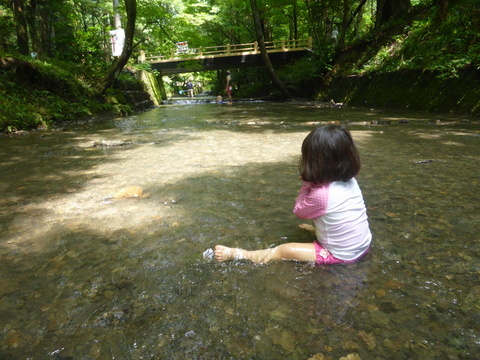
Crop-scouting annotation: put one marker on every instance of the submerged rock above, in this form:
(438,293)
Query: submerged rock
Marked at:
(353,356)
(318,356)
(107,143)
(281,337)
(131,192)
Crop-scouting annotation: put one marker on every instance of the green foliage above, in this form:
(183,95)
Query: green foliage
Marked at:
(87,54)
(310,67)
(7,26)
(16,114)
(146,67)
(429,44)
(23,109)
(39,94)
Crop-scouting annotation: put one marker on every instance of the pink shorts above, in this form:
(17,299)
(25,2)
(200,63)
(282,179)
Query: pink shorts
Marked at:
(324,256)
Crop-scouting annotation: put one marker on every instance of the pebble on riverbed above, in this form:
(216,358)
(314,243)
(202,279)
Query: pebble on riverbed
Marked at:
(423,161)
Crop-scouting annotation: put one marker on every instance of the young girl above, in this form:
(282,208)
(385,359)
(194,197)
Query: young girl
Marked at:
(331,197)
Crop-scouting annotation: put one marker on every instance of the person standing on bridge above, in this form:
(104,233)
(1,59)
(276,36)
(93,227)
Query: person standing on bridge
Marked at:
(229,87)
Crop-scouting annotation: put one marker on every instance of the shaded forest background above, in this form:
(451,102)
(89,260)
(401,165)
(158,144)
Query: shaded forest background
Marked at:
(56,60)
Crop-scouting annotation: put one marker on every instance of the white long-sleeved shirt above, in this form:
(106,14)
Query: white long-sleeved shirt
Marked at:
(339,214)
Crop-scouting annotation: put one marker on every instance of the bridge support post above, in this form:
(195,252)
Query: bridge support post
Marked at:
(153,84)
(141,57)
(161,85)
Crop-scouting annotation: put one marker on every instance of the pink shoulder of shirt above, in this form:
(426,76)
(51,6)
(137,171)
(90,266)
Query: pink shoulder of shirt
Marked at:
(312,201)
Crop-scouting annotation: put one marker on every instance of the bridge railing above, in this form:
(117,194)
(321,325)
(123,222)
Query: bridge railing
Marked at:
(229,50)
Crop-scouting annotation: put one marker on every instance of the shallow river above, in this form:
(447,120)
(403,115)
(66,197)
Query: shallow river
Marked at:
(100,246)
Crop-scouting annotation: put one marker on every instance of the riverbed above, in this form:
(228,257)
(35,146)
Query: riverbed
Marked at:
(103,225)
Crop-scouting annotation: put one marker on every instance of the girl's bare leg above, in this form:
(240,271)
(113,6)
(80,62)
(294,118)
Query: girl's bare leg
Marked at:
(289,251)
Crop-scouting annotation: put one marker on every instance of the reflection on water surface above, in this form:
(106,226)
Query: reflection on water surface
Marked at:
(91,272)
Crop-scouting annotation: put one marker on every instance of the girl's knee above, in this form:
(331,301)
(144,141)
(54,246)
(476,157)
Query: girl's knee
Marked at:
(285,251)
(296,251)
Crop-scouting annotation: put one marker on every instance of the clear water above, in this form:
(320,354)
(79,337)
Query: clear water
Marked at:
(89,275)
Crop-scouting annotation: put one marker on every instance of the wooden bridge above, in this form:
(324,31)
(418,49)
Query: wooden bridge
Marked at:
(227,56)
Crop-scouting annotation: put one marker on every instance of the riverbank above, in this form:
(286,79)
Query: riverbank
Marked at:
(35,94)
(422,90)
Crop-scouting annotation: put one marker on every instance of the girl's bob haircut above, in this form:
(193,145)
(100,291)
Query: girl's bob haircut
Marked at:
(329,154)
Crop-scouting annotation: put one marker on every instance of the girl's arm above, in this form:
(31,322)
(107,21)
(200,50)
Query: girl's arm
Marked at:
(312,201)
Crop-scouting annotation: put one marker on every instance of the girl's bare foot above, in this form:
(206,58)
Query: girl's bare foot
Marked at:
(223,253)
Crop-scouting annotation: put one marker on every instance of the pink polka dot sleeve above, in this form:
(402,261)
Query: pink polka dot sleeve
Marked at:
(312,201)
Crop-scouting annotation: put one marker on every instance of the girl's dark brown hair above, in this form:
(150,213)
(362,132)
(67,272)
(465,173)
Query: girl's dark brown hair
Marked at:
(329,154)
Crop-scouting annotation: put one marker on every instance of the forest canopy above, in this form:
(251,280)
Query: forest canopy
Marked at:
(78,31)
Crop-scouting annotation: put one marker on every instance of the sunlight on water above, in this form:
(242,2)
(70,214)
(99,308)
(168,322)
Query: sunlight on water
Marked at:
(103,225)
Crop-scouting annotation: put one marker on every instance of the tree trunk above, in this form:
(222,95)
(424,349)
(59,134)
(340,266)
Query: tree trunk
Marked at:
(32,26)
(295,21)
(263,51)
(120,62)
(343,33)
(441,12)
(390,9)
(358,21)
(47,32)
(311,21)
(18,7)
(357,13)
